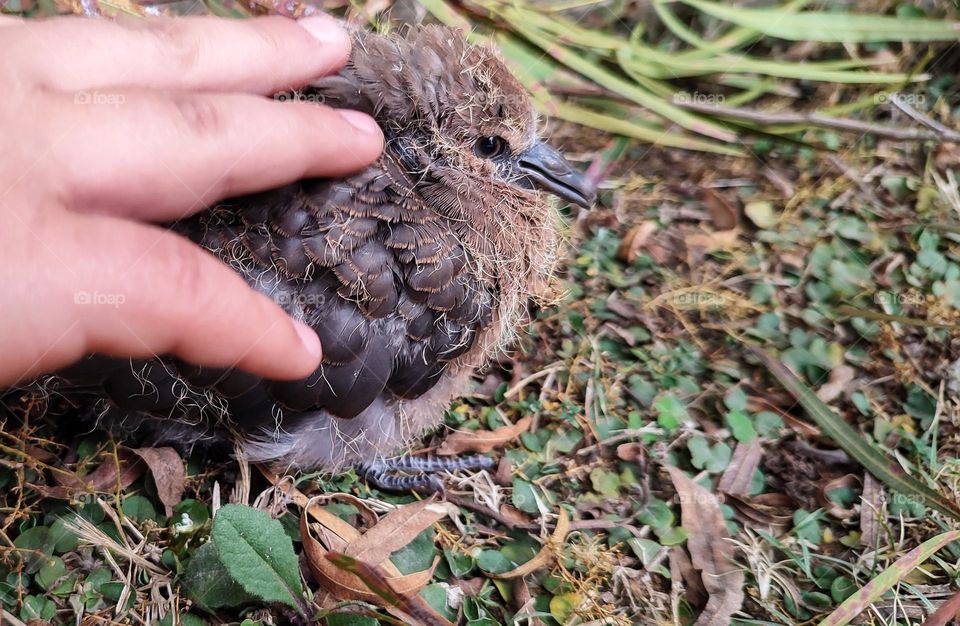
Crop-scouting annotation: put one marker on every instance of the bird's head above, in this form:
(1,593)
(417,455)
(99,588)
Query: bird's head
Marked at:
(455,117)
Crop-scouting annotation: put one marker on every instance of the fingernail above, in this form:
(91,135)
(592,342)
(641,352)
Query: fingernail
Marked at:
(361,121)
(309,339)
(325,29)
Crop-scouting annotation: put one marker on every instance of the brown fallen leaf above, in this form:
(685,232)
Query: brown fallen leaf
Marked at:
(547,554)
(396,530)
(459,442)
(115,472)
(723,213)
(709,242)
(411,606)
(847,481)
(945,613)
(632,452)
(523,603)
(743,465)
(710,550)
(873,511)
(681,569)
(839,381)
(168,472)
(372,549)
(635,241)
(514,514)
(769,511)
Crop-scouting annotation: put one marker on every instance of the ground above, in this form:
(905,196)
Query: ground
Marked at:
(746,378)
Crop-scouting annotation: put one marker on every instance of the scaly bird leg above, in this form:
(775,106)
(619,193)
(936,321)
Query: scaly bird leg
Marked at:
(380,473)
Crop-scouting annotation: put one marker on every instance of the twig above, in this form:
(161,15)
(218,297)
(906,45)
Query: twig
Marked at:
(490,513)
(817,119)
(9,618)
(945,133)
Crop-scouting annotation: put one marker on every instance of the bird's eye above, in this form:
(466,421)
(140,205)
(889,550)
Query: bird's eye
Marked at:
(490,147)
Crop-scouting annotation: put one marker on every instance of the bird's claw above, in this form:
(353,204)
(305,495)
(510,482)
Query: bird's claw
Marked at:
(393,474)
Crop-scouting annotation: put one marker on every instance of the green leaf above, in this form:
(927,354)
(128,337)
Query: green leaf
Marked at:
(258,554)
(563,606)
(806,525)
(670,412)
(209,584)
(831,26)
(139,508)
(418,555)
(525,496)
(350,619)
(854,443)
(37,608)
(741,426)
(605,482)
(493,562)
(873,590)
(184,619)
(34,545)
(51,571)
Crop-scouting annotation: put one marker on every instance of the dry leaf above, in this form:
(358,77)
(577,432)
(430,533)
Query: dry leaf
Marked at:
(372,549)
(459,442)
(547,554)
(846,481)
(709,242)
(839,381)
(723,213)
(873,511)
(635,241)
(945,613)
(408,605)
(770,511)
(396,530)
(743,465)
(115,472)
(681,568)
(168,472)
(710,550)
(514,515)
(632,452)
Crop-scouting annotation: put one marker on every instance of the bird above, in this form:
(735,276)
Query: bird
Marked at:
(414,272)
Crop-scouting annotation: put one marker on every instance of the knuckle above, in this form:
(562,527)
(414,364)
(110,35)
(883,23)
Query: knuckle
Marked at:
(199,116)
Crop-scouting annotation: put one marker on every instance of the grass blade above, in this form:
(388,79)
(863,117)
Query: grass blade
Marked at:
(854,443)
(873,590)
(831,27)
(852,311)
(622,87)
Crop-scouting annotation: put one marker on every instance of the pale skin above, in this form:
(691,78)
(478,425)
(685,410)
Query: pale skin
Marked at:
(109,128)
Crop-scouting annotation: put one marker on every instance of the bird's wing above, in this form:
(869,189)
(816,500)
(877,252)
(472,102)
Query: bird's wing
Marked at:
(384,280)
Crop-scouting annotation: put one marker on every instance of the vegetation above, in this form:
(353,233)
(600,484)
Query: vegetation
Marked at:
(742,405)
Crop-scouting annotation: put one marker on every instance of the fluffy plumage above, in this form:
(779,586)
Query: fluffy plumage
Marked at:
(413,272)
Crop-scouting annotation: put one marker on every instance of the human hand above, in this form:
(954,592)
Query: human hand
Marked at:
(108,126)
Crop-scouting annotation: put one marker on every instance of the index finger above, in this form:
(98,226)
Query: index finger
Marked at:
(261,55)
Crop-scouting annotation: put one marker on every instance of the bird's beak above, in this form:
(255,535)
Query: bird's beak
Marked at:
(542,166)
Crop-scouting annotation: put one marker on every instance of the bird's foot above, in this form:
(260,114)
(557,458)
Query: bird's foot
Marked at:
(382,474)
